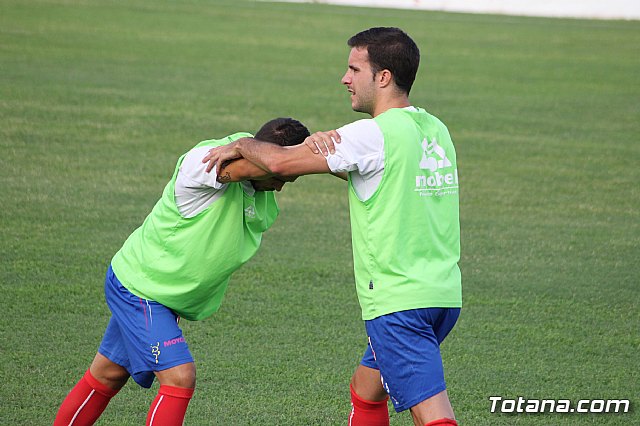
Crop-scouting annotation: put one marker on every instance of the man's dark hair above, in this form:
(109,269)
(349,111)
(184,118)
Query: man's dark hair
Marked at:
(392,49)
(283,132)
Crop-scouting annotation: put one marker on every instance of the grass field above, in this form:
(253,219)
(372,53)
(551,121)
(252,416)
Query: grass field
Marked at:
(99,98)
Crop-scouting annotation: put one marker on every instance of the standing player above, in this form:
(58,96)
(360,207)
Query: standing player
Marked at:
(177,264)
(403,197)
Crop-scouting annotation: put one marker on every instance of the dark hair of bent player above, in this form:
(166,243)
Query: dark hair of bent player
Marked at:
(392,49)
(283,132)
(280,131)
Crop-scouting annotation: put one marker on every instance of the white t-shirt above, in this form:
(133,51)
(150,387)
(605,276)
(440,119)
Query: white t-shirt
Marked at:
(361,152)
(195,189)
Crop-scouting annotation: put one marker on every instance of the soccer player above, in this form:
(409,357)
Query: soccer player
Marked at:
(178,264)
(403,197)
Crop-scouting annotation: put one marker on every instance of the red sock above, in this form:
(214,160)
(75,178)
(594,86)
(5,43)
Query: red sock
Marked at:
(368,413)
(442,422)
(169,407)
(84,404)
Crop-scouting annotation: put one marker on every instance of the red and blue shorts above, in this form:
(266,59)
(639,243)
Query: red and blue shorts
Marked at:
(143,336)
(405,347)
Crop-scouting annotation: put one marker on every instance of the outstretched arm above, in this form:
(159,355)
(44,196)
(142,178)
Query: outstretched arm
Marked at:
(276,160)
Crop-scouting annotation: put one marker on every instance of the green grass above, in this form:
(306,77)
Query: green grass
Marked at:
(99,98)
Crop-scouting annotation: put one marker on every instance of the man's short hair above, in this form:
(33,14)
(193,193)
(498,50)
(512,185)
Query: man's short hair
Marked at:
(392,49)
(283,132)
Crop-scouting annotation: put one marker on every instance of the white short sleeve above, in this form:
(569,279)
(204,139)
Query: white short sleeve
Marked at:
(361,152)
(193,169)
(196,189)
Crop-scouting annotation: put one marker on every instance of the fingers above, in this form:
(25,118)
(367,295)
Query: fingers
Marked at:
(311,144)
(323,142)
(210,158)
(335,135)
(219,155)
(215,157)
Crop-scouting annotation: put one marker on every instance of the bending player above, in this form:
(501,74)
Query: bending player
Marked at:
(178,264)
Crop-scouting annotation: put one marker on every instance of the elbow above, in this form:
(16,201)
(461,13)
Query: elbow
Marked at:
(276,165)
(276,169)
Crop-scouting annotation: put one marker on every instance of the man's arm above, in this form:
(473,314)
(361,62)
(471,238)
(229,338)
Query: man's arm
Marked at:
(272,159)
(295,160)
(238,170)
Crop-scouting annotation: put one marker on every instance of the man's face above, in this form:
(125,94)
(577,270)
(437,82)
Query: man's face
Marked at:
(271,184)
(359,81)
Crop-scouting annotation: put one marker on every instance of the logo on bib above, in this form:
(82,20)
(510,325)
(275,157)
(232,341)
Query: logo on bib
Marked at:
(433,181)
(433,156)
(250,212)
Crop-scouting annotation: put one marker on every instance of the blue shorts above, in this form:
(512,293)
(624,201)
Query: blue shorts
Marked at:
(143,336)
(405,348)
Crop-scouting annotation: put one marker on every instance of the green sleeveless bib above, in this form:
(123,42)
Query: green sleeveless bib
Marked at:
(185,263)
(406,236)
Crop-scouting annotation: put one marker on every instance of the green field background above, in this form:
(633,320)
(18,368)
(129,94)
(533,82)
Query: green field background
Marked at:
(99,98)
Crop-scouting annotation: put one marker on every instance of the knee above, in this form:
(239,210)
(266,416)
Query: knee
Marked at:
(108,373)
(187,377)
(181,376)
(367,385)
(112,377)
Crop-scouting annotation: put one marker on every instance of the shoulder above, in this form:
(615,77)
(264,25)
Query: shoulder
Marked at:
(362,137)
(194,169)
(210,143)
(193,173)
(193,159)
(361,148)
(361,129)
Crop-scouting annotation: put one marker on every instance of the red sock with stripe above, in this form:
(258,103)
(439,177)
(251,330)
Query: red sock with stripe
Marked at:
(84,404)
(169,407)
(368,413)
(442,422)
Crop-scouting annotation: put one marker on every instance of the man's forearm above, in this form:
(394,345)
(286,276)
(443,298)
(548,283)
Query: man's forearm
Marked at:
(241,169)
(261,154)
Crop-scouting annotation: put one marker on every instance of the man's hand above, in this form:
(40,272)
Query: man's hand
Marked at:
(323,142)
(219,155)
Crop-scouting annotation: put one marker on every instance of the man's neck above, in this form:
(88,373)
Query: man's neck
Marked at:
(395,102)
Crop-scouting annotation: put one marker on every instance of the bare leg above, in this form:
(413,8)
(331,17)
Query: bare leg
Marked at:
(366,383)
(181,376)
(108,373)
(368,399)
(434,408)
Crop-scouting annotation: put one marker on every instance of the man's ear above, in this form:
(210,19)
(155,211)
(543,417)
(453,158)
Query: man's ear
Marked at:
(384,78)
